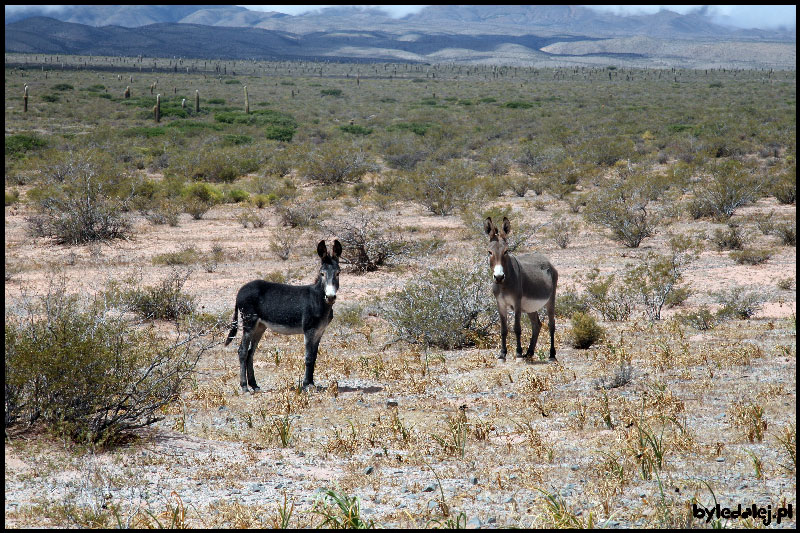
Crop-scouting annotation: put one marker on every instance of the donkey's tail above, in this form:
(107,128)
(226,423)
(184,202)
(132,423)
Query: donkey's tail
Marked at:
(235,327)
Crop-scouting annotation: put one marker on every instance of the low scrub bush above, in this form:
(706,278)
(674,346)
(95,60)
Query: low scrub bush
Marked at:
(739,303)
(364,245)
(624,208)
(729,185)
(750,256)
(585,331)
(86,374)
(333,163)
(448,308)
(83,198)
(444,188)
(19,144)
(164,301)
(728,239)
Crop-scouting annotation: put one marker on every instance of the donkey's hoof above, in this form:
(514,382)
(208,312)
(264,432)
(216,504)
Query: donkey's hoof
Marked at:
(501,356)
(256,390)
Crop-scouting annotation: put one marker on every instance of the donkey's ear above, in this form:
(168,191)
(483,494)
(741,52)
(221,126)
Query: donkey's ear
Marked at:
(488,226)
(322,250)
(337,249)
(506,226)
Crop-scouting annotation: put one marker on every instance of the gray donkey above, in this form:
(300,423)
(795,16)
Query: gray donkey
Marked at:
(523,284)
(289,310)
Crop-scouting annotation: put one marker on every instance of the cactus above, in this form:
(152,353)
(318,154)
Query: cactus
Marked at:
(127,91)
(246,101)
(25,100)
(157,108)
(183,103)
(196,101)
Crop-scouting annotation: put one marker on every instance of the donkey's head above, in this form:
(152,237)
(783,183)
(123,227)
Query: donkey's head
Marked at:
(329,269)
(498,248)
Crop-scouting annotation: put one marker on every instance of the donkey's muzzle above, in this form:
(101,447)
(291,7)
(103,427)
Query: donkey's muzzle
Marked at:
(500,278)
(330,299)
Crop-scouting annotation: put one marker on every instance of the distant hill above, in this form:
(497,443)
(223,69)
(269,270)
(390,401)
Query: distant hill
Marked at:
(509,35)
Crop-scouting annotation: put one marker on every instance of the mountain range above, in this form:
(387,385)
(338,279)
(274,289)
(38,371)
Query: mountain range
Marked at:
(511,35)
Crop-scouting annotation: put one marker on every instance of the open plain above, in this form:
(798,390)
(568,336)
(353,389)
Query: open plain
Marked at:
(687,396)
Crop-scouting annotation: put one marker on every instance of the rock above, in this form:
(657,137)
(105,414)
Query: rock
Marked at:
(369,470)
(720,459)
(575,468)
(491,520)
(474,523)
(391,403)
(473,480)
(429,488)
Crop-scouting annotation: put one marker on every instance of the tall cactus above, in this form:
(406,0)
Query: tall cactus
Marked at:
(25,100)
(157,108)
(127,92)
(246,101)
(196,101)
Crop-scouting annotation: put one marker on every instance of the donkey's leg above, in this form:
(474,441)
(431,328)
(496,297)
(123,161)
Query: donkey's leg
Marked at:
(518,329)
(536,325)
(258,331)
(501,309)
(312,346)
(248,324)
(551,324)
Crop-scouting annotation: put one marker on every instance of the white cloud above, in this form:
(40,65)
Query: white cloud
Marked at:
(393,10)
(739,16)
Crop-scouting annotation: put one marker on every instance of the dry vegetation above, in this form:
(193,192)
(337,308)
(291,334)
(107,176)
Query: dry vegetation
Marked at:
(638,184)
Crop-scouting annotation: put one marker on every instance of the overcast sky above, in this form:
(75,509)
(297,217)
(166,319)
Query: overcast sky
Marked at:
(732,15)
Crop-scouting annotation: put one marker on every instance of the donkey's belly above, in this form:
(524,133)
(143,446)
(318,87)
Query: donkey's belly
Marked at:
(531,306)
(280,328)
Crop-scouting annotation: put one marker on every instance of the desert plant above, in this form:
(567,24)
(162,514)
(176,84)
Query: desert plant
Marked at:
(738,303)
(623,208)
(166,300)
(333,163)
(585,331)
(339,511)
(83,199)
(750,256)
(444,188)
(730,185)
(86,373)
(364,245)
(447,308)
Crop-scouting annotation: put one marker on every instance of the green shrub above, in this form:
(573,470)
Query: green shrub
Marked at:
(144,131)
(702,319)
(585,331)
(623,207)
(404,151)
(784,186)
(568,303)
(12,197)
(63,87)
(657,279)
(276,132)
(19,144)
(185,256)
(332,163)
(165,301)
(331,92)
(216,101)
(518,105)
(730,239)
(199,198)
(232,82)
(444,188)
(355,129)
(236,139)
(612,300)
(750,256)
(448,308)
(83,198)
(86,374)
(729,186)
(738,303)
(235,196)
(420,128)
(787,233)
